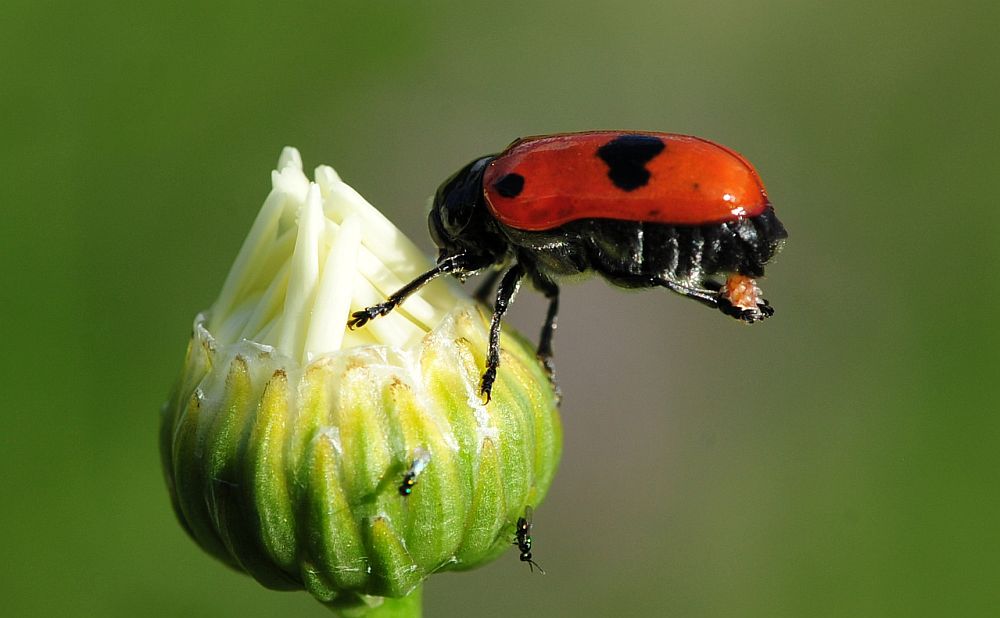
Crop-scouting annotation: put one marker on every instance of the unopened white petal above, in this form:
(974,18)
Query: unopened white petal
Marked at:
(333,300)
(304,276)
(290,157)
(317,252)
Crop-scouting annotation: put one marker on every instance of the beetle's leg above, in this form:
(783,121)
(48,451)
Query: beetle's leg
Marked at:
(742,295)
(704,296)
(711,296)
(486,286)
(761,311)
(505,295)
(551,291)
(460,264)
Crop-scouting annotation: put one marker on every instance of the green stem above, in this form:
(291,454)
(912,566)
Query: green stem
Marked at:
(404,607)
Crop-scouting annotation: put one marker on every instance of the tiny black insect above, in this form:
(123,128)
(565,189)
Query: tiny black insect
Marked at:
(420,460)
(522,539)
(640,209)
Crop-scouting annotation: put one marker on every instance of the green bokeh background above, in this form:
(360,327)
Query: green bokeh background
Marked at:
(840,459)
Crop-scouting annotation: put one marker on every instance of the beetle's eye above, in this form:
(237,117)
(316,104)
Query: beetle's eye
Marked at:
(456,217)
(456,199)
(453,204)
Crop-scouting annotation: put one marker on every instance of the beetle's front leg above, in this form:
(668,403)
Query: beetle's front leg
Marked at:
(459,264)
(505,296)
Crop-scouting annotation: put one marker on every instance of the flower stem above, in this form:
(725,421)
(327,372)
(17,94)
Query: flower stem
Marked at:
(404,607)
(409,606)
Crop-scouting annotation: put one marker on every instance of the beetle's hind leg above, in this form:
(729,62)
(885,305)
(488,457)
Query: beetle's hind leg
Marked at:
(742,299)
(551,292)
(730,300)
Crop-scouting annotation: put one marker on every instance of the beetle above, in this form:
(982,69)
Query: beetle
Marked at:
(641,209)
(522,538)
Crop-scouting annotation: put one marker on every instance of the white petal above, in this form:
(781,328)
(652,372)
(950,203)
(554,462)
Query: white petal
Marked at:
(336,287)
(290,157)
(303,277)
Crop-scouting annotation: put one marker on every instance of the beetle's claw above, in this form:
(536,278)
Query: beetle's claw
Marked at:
(550,371)
(762,311)
(765,309)
(486,386)
(360,318)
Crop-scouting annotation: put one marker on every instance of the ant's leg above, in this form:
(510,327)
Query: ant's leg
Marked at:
(532,562)
(505,295)
(482,293)
(460,264)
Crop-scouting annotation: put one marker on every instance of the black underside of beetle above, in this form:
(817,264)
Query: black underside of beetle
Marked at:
(638,254)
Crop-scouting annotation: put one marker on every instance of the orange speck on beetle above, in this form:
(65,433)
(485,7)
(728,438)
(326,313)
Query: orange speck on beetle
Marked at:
(741,291)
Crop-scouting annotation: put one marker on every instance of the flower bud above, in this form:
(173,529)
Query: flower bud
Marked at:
(287,438)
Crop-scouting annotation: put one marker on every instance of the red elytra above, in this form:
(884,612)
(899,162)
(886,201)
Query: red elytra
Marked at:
(567,177)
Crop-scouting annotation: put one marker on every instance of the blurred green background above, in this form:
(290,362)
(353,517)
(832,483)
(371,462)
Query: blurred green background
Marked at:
(839,460)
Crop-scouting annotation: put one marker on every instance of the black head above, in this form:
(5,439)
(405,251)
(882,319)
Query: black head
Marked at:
(459,220)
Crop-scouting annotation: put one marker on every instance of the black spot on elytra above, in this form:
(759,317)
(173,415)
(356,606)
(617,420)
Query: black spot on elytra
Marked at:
(627,156)
(510,185)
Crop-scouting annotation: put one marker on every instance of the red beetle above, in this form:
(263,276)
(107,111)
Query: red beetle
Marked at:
(641,209)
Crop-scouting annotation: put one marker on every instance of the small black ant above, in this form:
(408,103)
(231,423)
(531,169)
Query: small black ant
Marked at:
(523,539)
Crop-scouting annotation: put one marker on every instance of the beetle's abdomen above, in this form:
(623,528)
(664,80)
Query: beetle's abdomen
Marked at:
(641,254)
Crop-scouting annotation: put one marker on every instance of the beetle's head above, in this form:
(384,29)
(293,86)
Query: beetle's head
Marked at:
(459,220)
